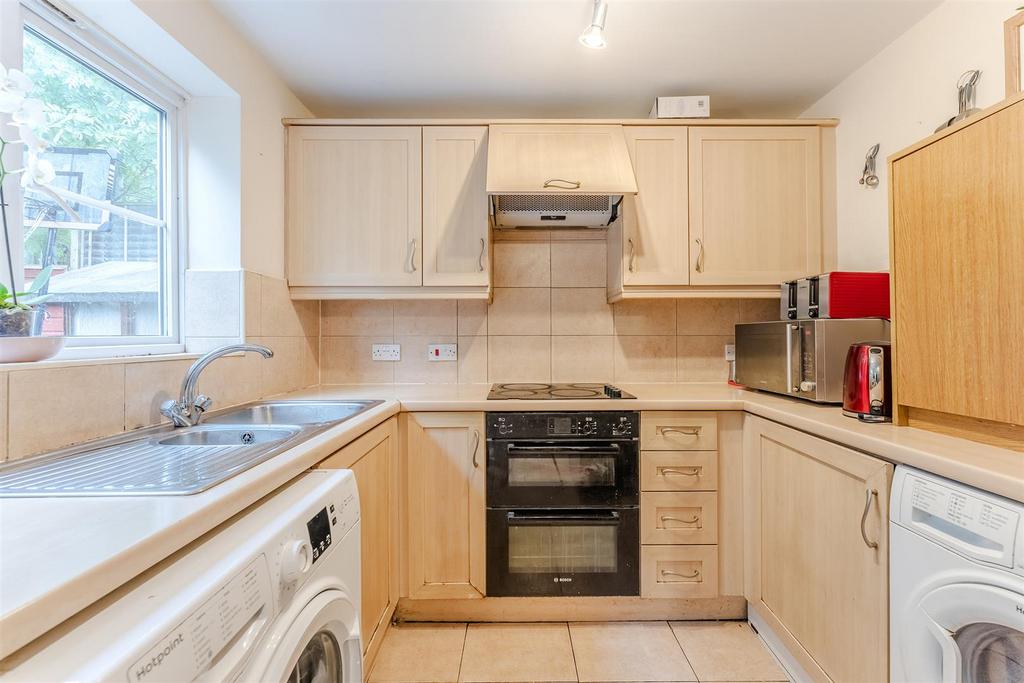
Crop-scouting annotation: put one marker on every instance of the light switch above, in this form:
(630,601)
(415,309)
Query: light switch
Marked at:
(730,352)
(386,352)
(442,352)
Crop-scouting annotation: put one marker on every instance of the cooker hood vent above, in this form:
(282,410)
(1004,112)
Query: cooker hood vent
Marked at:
(554,210)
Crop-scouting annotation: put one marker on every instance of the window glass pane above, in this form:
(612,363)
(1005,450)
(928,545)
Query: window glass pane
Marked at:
(109,272)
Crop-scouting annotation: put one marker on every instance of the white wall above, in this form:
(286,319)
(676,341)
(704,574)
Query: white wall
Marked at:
(899,97)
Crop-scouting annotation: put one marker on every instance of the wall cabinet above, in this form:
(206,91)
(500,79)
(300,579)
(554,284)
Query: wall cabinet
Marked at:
(816,565)
(445,508)
(387,212)
(373,459)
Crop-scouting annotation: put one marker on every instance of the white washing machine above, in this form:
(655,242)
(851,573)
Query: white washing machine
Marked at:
(271,596)
(956,604)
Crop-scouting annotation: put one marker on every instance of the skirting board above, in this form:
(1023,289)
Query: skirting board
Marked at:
(572,609)
(792,667)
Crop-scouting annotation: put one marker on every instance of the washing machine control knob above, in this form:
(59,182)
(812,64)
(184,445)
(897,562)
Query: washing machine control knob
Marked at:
(296,557)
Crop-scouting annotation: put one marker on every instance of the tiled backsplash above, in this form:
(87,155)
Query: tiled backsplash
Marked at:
(50,405)
(549,321)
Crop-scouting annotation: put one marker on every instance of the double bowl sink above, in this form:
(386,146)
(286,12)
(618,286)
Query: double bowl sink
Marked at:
(177,461)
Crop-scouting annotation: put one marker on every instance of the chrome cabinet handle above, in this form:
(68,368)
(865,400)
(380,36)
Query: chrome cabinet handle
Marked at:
(700,255)
(632,256)
(868,495)
(689,431)
(692,472)
(476,446)
(483,248)
(694,520)
(412,256)
(669,572)
(562,184)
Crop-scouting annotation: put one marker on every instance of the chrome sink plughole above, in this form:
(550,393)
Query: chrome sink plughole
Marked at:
(177,461)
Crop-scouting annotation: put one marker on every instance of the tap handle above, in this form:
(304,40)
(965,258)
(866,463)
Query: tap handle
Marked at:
(202,403)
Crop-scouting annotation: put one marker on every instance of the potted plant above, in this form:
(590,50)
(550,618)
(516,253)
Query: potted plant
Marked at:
(18,310)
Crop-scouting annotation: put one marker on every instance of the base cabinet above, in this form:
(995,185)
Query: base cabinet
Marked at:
(817,555)
(373,459)
(445,508)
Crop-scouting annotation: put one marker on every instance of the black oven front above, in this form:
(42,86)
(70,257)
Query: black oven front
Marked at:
(562,499)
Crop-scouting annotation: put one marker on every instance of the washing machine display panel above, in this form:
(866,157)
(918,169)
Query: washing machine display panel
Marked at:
(189,650)
(319,533)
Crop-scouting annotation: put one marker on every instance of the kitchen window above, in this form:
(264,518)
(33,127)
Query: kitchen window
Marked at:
(114,139)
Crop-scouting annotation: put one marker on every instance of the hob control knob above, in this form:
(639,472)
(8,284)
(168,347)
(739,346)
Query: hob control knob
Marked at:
(295,560)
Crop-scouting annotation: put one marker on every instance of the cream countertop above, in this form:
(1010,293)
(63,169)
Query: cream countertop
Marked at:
(93,545)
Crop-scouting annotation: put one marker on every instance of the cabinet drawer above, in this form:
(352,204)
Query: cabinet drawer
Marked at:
(683,517)
(678,471)
(679,571)
(678,431)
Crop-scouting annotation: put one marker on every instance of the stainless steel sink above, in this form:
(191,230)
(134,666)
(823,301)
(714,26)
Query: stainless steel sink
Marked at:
(291,412)
(177,461)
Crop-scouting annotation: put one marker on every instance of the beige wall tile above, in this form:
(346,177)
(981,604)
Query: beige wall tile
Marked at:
(502,653)
(582,359)
(232,380)
(251,299)
(311,365)
(346,360)
(57,407)
(645,316)
(757,310)
(420,653)
(358,318)
(581,311)
(522,264)
(213,303)
(702,359)
(425,317)
(525,311)
(414,368)
(628,651)
(645,359)
(472,359)
(726,651)
(286,371)
(282,317)
(148,385)
(707,316)
(472,318)
(4,403)
(579,264)
(519,359)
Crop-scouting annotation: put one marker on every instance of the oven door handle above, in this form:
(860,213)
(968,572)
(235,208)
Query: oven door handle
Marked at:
(583,450)
(518,518)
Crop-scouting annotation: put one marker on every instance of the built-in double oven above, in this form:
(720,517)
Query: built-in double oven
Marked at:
(562,504)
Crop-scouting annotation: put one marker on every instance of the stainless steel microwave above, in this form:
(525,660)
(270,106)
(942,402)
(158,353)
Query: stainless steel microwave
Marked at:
(802,358)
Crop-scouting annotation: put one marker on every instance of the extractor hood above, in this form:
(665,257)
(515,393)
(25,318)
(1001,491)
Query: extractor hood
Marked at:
(543,175)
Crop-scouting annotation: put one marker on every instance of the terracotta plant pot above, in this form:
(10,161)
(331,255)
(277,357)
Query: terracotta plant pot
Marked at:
(18,322)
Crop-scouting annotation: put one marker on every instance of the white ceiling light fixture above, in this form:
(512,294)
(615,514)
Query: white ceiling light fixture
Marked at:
(593,37)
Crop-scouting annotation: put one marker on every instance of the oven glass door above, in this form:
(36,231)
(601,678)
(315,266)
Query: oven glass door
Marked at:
(563,474)
(563,552)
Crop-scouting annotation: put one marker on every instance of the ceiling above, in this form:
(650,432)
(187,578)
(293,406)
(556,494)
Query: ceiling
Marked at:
(495,58)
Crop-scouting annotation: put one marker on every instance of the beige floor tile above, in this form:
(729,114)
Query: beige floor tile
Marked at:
(507,653)
(629,651)
(726,651)
(420,653)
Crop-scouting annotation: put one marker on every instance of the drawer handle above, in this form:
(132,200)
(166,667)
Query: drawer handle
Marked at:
(562,184)
(483,249)
(669,572)
(868,495)
(632,255)
(412,256)
(667,518)
(476,446)
(687,431)
(669,471)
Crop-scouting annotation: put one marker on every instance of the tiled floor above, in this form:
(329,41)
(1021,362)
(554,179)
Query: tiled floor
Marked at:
(725,652)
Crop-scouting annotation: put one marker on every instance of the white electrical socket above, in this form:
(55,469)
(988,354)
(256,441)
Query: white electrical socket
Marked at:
(386,352)
(442,352)
(730,352)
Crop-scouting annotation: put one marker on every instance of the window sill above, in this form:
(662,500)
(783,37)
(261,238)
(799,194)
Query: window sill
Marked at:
(83,356)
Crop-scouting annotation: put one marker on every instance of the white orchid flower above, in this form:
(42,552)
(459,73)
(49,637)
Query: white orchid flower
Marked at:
(37,171)
(31,114)
(14,85)
(33,143)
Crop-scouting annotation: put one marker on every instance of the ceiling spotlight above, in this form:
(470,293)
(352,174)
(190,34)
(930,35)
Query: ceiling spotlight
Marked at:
(593,37)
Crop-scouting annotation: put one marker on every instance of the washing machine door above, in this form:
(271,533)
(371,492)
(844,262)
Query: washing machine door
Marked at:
(980,630)
(319,645)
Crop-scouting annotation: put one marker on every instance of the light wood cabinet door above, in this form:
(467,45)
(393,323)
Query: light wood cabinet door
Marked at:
(354,206)
(817,550)
(445,507)
(655,245)
(755,204)
(373,459)
(586,158)
(455,228)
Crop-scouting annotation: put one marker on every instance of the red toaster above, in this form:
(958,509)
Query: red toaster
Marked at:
(867,382)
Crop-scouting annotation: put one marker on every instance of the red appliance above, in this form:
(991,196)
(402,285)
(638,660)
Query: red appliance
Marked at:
(843,294)
(867,382)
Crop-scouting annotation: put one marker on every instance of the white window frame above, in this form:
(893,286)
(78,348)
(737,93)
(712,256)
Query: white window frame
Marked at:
(106,55)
